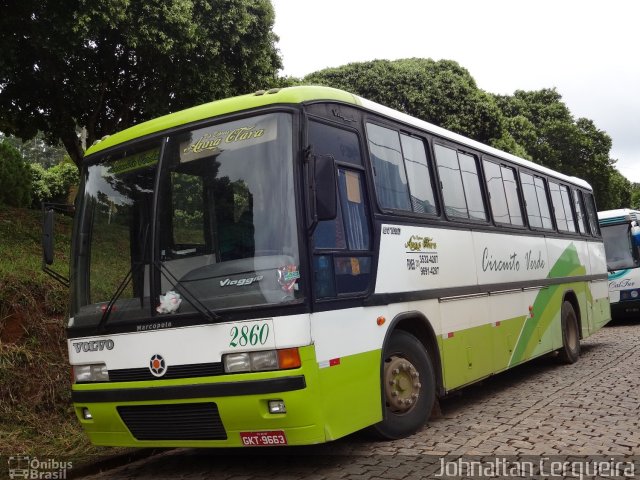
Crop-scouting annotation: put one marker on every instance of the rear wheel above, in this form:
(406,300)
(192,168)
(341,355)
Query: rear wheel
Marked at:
(408,387)
(570,350)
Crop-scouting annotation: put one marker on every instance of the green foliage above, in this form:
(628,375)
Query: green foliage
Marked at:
(542,124)
(535,125)
(36,414)
(37,150)
(15,182)
(635,196)
(107,65)
(441,92)
(54,184)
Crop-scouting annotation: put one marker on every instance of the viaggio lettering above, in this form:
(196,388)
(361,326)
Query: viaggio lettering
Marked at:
(227,282)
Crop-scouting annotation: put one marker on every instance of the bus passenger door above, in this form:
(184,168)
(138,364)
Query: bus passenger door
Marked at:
(342,271)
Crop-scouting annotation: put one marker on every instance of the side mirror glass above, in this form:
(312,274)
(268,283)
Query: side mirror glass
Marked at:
(635,236)
(325,191)
(47,237)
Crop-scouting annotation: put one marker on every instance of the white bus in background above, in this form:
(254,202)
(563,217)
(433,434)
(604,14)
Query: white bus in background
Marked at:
(621,234)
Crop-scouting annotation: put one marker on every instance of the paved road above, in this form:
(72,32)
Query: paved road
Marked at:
(540,409)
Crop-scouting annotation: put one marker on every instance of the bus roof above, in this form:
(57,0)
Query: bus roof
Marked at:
(300,95)
(290,95)
(620,215)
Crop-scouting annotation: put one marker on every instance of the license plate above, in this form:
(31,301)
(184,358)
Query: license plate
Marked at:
(263,439)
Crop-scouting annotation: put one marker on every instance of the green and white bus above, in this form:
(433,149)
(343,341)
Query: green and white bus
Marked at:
(294,265)
(621,235)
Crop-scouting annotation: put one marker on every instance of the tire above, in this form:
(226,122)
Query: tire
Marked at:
(408,387)
(570,350)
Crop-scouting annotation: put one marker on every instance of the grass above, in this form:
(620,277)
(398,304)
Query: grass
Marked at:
(36,416)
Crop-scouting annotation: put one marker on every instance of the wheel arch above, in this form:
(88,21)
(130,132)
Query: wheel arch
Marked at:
(417,324)
(571,297)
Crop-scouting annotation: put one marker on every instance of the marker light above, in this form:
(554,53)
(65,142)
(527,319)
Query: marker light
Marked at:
(86,414)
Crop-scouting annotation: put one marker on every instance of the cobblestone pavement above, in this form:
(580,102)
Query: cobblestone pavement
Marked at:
(540,409)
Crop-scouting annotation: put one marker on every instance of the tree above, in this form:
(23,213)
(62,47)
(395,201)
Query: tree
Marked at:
(56,184)
(540,122)
(36,150)
(107,65)
(15,177)
(441,92)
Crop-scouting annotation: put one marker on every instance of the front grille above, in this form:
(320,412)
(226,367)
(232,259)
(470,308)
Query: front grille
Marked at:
(183,421)
(173,371)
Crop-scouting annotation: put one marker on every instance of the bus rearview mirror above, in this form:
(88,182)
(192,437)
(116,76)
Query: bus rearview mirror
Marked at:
(325,187)
(47,237)
(635,236)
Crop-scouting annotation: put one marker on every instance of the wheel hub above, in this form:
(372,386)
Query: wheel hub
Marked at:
(402,384)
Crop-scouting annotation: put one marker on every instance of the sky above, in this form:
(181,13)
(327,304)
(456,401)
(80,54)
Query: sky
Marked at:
(588,50)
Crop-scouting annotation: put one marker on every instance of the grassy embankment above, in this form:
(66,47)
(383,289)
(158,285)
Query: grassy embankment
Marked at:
(36,417)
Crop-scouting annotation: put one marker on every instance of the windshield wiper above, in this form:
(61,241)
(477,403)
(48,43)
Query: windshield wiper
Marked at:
(124,284)
(109,308)
(195,301)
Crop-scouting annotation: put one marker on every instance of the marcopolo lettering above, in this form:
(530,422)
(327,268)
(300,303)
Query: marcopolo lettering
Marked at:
(94,345)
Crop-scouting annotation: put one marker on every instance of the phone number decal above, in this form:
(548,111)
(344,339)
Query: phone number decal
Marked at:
(424,263)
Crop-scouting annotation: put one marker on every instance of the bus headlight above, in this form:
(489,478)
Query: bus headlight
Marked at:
(95,372)
(261,361)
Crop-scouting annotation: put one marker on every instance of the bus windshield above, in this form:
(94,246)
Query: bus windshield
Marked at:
(225,234)
(618,248)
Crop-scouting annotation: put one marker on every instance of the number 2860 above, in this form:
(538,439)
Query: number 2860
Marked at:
(256,334)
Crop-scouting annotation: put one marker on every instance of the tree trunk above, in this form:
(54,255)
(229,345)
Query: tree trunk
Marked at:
(73,146)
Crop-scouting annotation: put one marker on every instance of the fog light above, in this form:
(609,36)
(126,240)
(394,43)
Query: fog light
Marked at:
(277,406)
(86,414)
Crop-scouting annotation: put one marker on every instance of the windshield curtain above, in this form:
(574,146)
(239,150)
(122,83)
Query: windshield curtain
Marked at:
(227,222)
(618,248)
(226,232)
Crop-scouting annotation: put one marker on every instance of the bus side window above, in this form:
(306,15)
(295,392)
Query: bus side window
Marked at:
(503,193)
(418,174)
(579,204)
(545,212)
(558,208)
(566,202)
(460,184)
(497,197)
(591,214)
(388,168)
(531,200)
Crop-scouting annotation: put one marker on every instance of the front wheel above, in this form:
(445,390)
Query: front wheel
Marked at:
(570,350)
(408,387)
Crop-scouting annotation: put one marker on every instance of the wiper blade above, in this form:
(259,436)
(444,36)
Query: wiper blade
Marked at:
(194,301)
(124,284)
(109,308)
